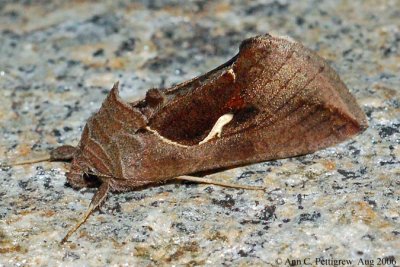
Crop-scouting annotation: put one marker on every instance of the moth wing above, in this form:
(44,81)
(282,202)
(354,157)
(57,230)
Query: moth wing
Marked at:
(286,101)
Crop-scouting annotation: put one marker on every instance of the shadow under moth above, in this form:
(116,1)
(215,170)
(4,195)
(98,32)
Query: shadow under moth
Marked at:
(274,99)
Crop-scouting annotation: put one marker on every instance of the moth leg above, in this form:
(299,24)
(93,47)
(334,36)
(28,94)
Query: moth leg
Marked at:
(209,181)
(97,200)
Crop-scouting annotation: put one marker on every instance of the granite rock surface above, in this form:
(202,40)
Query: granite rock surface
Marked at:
(59,59)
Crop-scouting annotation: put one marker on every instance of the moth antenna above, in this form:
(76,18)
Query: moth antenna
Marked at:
(209,181)
(31,161)
(62,153)
(97,199)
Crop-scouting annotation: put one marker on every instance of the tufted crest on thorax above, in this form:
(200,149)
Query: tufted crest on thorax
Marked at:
(105,132)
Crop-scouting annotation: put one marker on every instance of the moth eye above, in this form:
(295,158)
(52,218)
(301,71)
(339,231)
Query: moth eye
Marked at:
(154,97)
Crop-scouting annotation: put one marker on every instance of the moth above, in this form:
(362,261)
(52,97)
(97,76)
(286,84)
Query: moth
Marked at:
(274,99)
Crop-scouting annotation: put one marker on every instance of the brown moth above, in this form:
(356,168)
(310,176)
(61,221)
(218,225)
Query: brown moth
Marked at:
(274,99)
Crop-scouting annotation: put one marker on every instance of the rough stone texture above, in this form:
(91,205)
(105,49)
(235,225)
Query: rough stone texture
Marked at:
(59,59)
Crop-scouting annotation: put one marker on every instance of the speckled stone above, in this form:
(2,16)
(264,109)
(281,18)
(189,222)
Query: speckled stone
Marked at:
(59,59)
